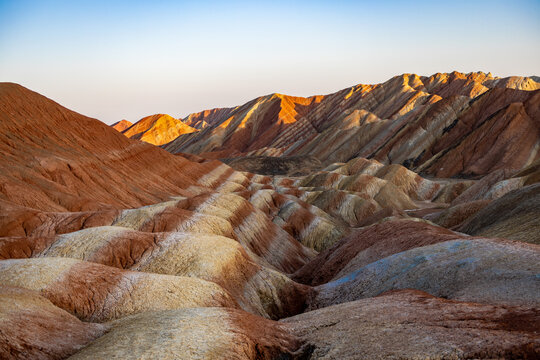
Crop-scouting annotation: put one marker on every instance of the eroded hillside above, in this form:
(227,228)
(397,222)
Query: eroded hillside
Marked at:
(114,248)
(443,125)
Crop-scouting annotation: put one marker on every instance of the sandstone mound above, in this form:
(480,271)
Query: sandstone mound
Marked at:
(198,333)
(308,224)
(359,166)
(348,206)
(479,270)
(414,325)
(384,192)
(31,327)
(216,259)
(252,228)
(94,292)
(368,245)
(411,183)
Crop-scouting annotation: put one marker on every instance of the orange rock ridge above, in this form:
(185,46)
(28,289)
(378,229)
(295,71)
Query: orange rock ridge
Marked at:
(158,129)
(121,125)
(427,124)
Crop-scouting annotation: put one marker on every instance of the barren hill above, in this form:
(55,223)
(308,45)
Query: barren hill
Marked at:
(56,159)
(444,125)
(111,247)
(158,129)
(121,125)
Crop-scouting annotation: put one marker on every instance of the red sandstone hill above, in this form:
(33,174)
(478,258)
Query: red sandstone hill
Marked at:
(55,159)
(443,125)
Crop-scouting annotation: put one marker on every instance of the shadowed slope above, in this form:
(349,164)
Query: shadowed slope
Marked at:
(513,216)
(291,166)
(367,245)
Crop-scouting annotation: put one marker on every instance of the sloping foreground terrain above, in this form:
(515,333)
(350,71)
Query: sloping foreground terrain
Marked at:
(114,248)
(444,125)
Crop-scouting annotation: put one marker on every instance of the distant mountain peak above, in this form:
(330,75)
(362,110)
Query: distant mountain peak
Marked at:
(158,129)
(121,125)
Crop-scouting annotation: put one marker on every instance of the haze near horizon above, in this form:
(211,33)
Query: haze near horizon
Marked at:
(128,59)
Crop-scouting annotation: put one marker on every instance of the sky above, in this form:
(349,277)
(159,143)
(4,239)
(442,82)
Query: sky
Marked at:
(115,60)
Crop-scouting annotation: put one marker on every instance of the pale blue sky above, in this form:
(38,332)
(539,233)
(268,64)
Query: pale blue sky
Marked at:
(127,59)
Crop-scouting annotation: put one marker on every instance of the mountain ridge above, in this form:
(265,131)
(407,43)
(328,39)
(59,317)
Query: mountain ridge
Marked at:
(398,121)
